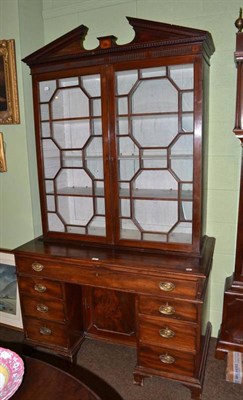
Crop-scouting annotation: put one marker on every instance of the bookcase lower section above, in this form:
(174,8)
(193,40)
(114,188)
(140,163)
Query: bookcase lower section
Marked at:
(154,302)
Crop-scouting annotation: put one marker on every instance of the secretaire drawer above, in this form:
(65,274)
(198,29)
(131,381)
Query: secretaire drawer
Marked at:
(43,308)
(168,361)
(104,276)
(168,307)
(46,332)
(168,333)
(41,287)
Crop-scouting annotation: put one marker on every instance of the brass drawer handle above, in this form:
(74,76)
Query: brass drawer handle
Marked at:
(39,288)
(166,333)
(167,310)
(45,331)
(166,359)
(42,308)
(37,266)
(166,286)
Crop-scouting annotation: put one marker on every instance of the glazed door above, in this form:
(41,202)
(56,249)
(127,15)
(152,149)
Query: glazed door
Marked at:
(154,132)
(71,135)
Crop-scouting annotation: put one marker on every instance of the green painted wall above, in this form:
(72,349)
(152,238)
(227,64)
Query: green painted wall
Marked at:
(46,20)
(17,216)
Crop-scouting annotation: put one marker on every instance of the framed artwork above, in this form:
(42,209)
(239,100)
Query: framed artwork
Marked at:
(10,312)
(9,104)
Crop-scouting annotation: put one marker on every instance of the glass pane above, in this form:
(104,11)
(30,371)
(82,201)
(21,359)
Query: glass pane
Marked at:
(186,211)
(182,233)
(97,226)
(154,131)
(50,200)
(155,158)
(187,101)
(155,237)
(47,89)
(65,82)
(100,206)
(125,208)
(70,103)
(155,180)
(125,80)
(69,179)
(71,134)
(183,75)
(76,229)
(122,126)
(183,168)
(122,105)
(94,147)
(45,129)
(153,72)
(72,159)
(44,111)
(99,188)
(51,158)
(155,96)
(95,167)
(75,210)
(156,216)
(49,186)
(127,147)
(187,122)
(96,126)
(96,108)
(183,146)
(54,223)
(91,84)
(128,168)
(129,230)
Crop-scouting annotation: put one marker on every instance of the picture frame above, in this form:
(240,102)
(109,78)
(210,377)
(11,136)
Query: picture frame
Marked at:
(9,103)
(10,311)
(3,165)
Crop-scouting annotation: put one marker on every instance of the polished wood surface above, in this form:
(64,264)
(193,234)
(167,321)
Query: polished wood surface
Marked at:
(123,256)
(230,336)
(154,45)
(49,377)
(167,294)
(43,381)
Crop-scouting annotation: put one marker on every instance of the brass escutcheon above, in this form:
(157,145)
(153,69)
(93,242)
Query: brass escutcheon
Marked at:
(45,331)
(166,333)
(37,266)
(42,308)
(166,286)
(167,310)
(166,359)
(39,288)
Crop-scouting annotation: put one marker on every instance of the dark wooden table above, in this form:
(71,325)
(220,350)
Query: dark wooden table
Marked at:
(48,377)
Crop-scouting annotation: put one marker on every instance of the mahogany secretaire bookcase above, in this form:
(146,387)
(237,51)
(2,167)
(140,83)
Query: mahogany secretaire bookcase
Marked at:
(121,137)
(231,331)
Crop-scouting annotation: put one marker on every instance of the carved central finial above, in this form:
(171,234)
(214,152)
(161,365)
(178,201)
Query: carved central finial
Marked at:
(239,22)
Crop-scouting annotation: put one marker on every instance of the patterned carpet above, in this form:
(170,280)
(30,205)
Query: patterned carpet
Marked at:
(115,363)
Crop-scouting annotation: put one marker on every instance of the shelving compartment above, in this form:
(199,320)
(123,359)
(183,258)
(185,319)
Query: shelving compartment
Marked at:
(72,147)
(155,136)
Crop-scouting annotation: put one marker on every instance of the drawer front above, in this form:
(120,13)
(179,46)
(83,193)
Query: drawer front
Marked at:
(46,332)
(168,308)
(43,308)
(41,287)
(100,276)
(169,334)
(166,361)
